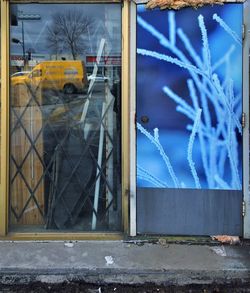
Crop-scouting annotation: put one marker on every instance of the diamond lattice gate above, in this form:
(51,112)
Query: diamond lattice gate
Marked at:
(64,160)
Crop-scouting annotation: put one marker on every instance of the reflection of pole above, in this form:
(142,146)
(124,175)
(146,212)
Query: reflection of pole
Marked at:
(23,43)
(32,139)
(101,137)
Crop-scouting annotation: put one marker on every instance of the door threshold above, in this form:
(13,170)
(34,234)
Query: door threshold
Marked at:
(163,240)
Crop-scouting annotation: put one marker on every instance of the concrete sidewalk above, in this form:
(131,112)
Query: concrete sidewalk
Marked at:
(113,262)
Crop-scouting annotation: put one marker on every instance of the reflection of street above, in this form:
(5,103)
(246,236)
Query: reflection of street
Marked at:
(59,107)
(62,108)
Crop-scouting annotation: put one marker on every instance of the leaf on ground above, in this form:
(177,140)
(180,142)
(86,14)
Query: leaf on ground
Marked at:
(227,239)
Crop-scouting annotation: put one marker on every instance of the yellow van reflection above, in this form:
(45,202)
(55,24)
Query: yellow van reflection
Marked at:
(67,76)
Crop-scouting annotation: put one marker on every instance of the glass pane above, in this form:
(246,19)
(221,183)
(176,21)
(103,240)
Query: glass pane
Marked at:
(193,137)
(65,117)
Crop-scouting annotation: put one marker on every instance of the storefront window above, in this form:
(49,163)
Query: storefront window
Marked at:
(65,159)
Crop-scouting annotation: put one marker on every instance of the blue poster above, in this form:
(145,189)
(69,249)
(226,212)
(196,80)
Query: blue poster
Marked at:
(189,97)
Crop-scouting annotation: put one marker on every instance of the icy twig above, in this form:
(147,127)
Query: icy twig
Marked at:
(172,27)
(190,148)
(156,142)
(207,55)
(221,182)
(189,48)
(232,33)
(169,59)
(145,175)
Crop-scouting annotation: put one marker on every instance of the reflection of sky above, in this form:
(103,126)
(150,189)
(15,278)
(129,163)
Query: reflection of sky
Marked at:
(219,43)
(153,75)
(35,31)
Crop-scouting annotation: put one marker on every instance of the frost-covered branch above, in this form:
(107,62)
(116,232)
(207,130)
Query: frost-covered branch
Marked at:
(232,33)
(190,148)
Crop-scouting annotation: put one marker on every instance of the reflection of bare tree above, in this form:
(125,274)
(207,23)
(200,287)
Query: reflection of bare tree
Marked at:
(67,30)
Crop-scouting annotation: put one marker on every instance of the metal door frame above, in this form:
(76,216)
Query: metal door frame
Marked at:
(246,183)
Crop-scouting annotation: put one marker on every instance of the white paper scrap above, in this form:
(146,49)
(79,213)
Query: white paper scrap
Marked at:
(109,260)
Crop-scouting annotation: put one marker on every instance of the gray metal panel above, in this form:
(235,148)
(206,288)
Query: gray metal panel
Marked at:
(189,211)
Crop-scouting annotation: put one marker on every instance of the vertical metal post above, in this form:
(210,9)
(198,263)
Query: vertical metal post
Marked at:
(125,115)
(23,45)
(4,190)
(132,119)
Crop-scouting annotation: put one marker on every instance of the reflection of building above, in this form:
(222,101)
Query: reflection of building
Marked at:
(109,66)
(110,31)
(107,26)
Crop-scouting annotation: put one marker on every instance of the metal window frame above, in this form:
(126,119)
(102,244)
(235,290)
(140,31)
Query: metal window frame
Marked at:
(133,206)
(5,107)
(4,117)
